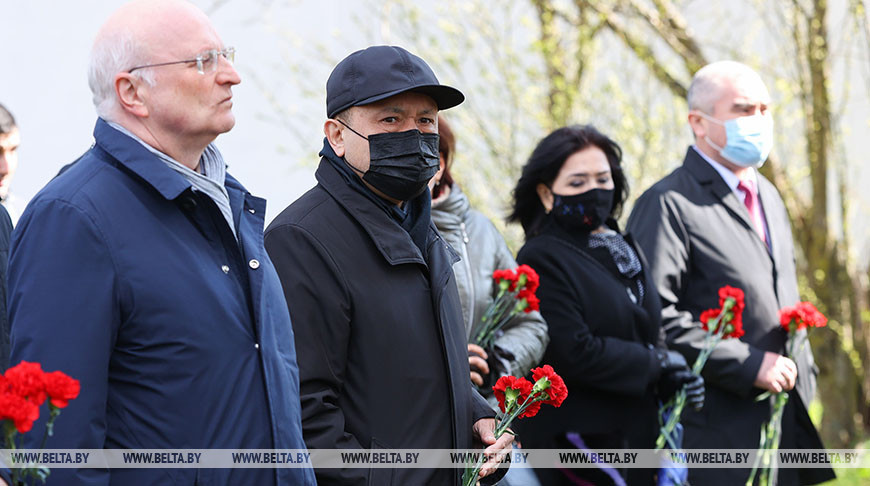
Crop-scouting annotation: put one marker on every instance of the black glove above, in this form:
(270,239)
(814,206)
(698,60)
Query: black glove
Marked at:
(675,374)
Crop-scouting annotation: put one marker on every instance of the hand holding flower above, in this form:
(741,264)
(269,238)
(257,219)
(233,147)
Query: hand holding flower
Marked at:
(517,398)
(777,373)
(496,448)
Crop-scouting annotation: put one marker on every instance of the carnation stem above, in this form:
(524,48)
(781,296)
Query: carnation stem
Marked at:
(757,460)
(49,426)
(487,340)
(497,308)
(711,340)
(9,432)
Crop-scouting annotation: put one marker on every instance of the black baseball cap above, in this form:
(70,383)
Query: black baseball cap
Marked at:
(378,72)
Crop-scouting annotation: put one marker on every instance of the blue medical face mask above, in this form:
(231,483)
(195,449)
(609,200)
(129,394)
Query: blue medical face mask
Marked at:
(749,139)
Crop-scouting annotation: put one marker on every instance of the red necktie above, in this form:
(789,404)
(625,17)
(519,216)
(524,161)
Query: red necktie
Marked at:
(751,202)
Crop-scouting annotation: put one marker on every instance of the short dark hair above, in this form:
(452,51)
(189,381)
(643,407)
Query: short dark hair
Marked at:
(446,146)
(7,121)
(343,115)
(544,165)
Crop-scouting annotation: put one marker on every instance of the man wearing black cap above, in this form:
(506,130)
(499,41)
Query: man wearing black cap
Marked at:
(369,283)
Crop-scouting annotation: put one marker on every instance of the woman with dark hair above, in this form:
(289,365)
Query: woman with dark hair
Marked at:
(603,312)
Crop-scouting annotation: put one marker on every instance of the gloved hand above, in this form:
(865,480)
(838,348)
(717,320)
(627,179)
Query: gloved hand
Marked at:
(675,374)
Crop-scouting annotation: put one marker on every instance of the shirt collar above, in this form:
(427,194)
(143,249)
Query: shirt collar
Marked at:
(729,177)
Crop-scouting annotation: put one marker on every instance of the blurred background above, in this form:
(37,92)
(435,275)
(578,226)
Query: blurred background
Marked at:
(526,68)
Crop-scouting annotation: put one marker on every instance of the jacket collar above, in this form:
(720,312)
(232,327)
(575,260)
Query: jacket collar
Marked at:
(389,238)
(707,176)
(136,158)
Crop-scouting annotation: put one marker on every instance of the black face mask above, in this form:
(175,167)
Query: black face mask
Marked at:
(401,163)
(585,211)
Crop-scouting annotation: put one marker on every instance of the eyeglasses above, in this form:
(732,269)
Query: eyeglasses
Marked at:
(205,61)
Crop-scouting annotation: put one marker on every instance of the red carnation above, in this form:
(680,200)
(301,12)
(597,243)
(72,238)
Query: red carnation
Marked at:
(520,388)
(556,390)
(734,328)
(727,292)
(20,411)
(532,409)
(27,381)
(707,316)
(499,275)
(802,315)
(532,301)
(61,388)
(506,275)
(733,292)
(786,316)
(532,278)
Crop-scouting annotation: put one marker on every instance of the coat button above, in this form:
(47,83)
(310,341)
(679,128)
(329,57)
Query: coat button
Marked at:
(256,345)
(225,268)
(188,204)
(252,210)
(255,264)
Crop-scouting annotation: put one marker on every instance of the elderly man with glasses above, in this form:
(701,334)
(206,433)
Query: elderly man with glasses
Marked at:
(141,271)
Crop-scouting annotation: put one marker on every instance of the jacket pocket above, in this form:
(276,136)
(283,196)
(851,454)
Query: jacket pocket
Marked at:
(379,476)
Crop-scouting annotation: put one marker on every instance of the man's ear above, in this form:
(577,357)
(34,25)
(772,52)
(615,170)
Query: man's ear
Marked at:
(546,196)
(128,89)
(335,136)
(697,125)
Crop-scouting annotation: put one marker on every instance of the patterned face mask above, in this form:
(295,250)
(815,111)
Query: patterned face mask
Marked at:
(585,211)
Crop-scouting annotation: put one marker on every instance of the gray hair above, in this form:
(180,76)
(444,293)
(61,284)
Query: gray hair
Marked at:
(7,121)
(705,89)
(111,54)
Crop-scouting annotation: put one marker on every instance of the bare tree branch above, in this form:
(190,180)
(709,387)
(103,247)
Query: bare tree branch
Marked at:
(643,51)
(680,28)
(673,30)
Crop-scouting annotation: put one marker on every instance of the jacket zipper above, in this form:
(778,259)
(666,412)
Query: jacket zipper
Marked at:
(467,263)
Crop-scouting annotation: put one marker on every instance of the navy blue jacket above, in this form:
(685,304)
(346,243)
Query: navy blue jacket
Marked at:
(124,278)
(5,234)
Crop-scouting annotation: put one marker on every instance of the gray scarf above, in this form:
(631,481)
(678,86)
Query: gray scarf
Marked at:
(210,182)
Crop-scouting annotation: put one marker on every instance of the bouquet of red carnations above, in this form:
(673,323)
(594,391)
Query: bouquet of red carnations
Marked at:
(516,293)
(793,319)
(518,398)
(23,389)
(722,323)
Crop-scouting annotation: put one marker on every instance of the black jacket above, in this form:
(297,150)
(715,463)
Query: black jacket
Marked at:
(699,237)
(379,332)
(599,343)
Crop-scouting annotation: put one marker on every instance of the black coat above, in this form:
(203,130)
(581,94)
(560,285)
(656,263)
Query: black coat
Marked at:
(600,344)
(698,236)
(379,333)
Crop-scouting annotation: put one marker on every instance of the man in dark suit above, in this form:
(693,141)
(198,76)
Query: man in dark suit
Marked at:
(716,221)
